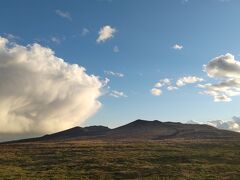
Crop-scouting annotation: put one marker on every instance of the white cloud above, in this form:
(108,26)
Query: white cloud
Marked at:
(156,92)
(222,91)
(116,74)
(116,49)
(117,94)
(163,82)
(106,33)
(171,88)
(41,93)
(177,47)
(158,85)
(167,83)
(224,66)
(188,80)
(232,125)
(63,14)
(227,70)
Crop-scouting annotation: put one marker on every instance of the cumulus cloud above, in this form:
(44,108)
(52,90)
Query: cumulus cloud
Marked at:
(105,33)
(156,92)
(226,70)
(41,93)
(64,14)
(116,74)
(224,66)
(177,47)
(170,86)
(188,80)
(232,125)
(117,94)
(222,91)
(163,82)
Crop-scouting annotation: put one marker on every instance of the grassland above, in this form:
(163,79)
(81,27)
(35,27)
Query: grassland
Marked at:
(121,160)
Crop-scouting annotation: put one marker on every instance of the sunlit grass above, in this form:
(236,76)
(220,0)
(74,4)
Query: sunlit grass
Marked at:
(121,160)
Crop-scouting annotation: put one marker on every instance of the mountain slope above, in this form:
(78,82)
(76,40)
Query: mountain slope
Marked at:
(139,130)
(156,130)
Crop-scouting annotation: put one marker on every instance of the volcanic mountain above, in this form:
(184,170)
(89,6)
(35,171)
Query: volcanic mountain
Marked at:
(139,130)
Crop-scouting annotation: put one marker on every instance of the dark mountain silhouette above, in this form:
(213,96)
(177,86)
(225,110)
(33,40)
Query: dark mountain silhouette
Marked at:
(139,130)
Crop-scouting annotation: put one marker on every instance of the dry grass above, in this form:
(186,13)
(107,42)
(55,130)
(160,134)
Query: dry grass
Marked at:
(175,159)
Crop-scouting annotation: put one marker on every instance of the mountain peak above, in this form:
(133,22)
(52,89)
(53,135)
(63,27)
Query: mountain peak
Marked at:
(141,121)
(139,130)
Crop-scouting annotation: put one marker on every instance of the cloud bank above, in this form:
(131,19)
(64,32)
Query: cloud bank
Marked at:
(232,125)
(41,93)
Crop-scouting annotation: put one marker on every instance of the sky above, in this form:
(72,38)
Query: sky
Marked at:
(109,62)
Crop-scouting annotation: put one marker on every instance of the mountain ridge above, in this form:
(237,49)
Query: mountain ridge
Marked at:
(137,130)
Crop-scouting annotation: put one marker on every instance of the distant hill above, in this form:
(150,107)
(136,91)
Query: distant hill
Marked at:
(139,130)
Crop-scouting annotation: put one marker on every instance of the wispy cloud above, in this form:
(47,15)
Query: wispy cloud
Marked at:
(116,74)
(116,49)
(85,31)
(57,40)
(185,1)
(11,37)
(105,33)
(63,14)
(117,94)
(224,0)
(177,47)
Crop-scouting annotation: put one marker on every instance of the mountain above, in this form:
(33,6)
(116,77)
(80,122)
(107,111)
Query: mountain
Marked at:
(139,130)
(156,130)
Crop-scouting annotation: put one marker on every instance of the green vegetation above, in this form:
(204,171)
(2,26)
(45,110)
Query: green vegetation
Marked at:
(175,159)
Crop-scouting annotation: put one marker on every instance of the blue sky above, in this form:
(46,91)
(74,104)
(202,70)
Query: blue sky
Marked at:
(146,31)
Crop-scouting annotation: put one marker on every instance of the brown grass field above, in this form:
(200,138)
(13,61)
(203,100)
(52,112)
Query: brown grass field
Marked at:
(172,159)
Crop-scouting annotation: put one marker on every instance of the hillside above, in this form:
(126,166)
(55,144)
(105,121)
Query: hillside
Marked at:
(139,130)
